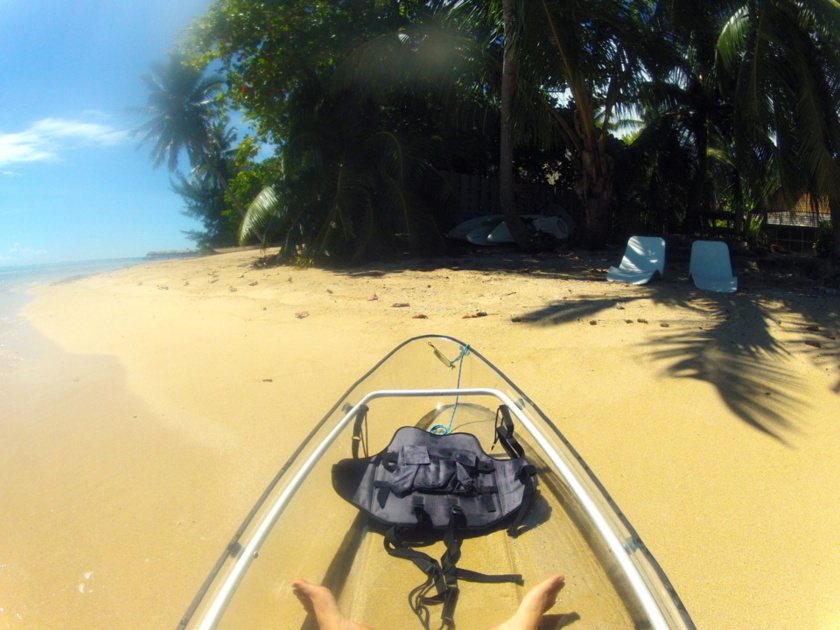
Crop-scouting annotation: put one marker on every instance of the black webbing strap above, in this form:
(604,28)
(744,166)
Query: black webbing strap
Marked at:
(360,437)
(443,576)
(504,433)
(527,475)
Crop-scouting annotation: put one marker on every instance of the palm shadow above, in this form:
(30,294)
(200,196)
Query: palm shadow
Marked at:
(744,362)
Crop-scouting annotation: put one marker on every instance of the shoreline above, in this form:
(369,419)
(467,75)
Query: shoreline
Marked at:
(708,418)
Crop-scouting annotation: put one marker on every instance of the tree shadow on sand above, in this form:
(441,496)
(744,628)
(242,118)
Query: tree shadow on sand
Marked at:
(744,362)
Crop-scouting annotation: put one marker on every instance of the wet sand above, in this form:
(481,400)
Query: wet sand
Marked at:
(145,409)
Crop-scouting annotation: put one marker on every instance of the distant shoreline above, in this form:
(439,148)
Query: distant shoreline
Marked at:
(172,254)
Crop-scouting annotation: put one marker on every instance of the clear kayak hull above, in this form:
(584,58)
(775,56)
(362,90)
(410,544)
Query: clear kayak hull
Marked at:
(300,528)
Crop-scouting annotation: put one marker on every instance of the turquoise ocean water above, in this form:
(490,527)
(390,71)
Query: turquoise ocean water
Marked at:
(16,337)
(16,281)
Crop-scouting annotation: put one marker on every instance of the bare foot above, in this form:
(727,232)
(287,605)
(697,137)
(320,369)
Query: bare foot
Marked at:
(319,601)
(534,605)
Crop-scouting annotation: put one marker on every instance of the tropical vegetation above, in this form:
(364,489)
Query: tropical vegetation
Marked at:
(654,115)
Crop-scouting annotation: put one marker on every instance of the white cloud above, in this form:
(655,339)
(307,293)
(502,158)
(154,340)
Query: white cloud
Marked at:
(47,138)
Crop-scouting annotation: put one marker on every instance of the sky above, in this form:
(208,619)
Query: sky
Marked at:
(73,184)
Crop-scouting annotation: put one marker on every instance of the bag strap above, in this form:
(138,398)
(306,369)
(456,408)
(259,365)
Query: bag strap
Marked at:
(441,575)
(360,432)
(528,476)
(504,433)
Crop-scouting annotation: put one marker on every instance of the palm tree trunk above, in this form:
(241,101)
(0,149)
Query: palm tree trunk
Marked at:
(698,201)
(507,196)
(595,188)
(596,178)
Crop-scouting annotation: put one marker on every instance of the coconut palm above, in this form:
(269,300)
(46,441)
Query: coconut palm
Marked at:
(781,61)
(183,111)
(203,195)
(352,186)
(589,50)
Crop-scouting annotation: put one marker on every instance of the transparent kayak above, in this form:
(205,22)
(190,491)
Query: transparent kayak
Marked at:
(300,527)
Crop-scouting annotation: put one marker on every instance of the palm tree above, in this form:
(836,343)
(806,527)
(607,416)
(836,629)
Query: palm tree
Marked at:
(183,110)
(204,196)
(682,97)
(507,196)
(351,187)
(781,60)
(588,50)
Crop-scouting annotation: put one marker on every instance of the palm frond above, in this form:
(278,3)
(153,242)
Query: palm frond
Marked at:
(261,212)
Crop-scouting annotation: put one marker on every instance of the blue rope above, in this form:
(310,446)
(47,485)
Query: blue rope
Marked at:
(439,429)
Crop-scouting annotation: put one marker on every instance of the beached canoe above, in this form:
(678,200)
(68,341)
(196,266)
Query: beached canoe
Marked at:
(301,527)
(492,229)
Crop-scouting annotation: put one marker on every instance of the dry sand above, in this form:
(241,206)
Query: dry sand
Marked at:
(147,409)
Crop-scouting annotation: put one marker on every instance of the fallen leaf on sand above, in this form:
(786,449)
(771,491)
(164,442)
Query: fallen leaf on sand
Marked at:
(479,314)
(302,314)
(815,344)
(420,316)
(400,305)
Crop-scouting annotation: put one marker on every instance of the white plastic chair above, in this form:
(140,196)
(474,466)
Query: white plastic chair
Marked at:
(643,258)
(710,267)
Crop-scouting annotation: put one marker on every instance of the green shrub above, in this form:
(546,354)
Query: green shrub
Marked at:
(824,243)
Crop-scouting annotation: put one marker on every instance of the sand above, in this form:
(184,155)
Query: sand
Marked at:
(147,408)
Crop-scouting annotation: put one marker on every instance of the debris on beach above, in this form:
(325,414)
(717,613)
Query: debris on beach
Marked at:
(478,314)
(400,305)
(419,316)
(302,314)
